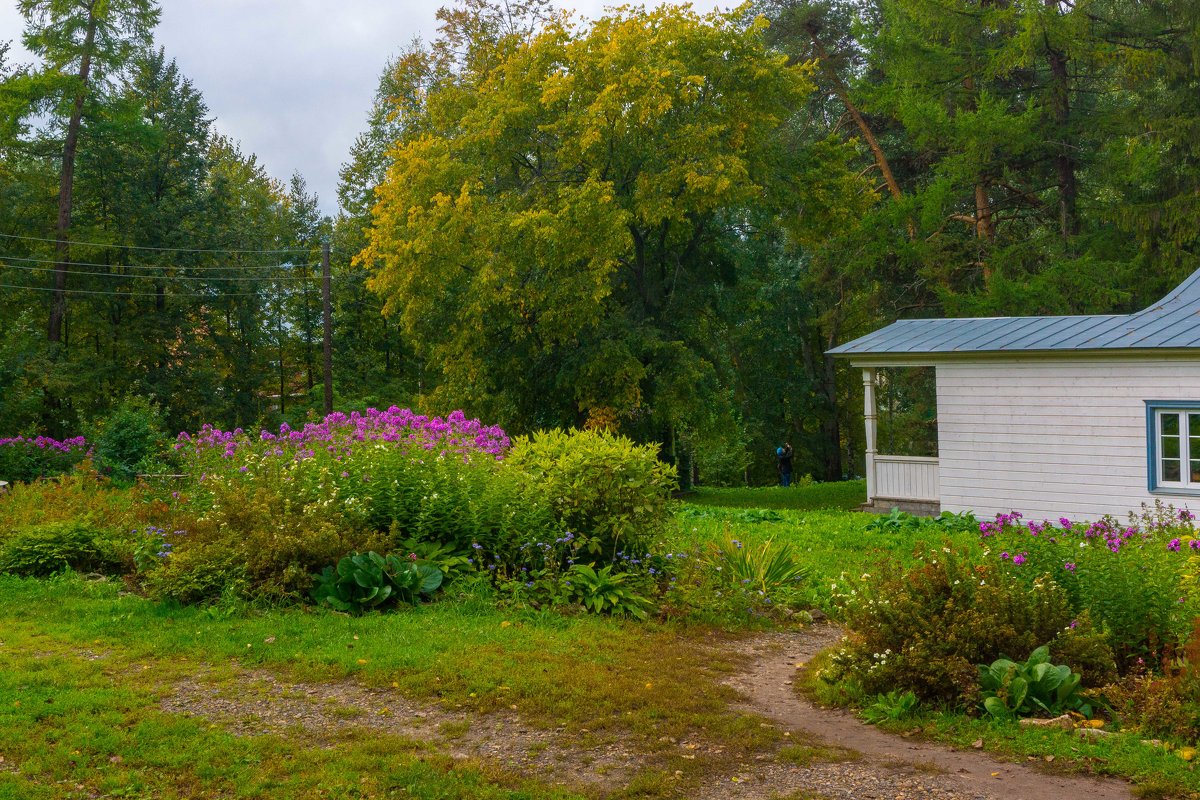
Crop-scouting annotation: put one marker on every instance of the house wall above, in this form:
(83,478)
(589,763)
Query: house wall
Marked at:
(1054,437)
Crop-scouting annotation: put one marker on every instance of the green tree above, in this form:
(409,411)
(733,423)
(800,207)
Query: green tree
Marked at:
(552,229)
(81,43)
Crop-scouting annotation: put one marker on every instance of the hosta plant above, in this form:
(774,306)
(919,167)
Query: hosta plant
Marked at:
(1012,689)
(364,581)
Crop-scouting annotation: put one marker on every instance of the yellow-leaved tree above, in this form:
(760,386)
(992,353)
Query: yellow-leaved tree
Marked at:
(564,201)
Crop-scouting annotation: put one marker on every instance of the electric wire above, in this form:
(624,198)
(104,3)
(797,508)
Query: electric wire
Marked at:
(30,259)
(213,296)
(159,249)
(167,277)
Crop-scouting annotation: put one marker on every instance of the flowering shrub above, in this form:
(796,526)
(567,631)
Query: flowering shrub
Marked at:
(925,629)
(1132,578)
(341,434)
(27,459)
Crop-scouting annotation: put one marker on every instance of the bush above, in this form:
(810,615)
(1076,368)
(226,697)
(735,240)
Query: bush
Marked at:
(612,494)
(926,629)
(43,550)
(128,440)
(255,540)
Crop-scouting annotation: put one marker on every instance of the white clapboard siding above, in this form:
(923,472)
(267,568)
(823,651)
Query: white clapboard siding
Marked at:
(1054,437)
(906,478)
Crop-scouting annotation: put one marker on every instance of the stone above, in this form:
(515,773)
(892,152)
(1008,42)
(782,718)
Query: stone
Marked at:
(1065,722)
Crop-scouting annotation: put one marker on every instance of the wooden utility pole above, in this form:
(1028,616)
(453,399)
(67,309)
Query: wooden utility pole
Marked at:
(327,313)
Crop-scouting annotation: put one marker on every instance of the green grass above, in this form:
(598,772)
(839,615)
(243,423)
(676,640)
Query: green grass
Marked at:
(843,495)
(834,544)
(594,679)
(76,728)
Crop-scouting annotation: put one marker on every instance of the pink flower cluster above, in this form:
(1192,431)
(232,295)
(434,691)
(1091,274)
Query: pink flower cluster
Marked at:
(46,443)
(340,432)
(1113,535)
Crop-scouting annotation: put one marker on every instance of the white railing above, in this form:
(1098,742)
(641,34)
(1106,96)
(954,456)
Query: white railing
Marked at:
(906,478)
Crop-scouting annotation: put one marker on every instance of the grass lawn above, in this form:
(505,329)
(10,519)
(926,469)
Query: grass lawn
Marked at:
(844,495)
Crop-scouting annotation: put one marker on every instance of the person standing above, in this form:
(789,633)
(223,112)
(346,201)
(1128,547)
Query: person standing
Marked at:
(783,462)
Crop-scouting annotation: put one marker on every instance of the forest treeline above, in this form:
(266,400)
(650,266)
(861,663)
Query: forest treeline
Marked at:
(655,221)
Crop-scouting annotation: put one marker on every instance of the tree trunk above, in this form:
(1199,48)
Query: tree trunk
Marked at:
(58,300)
(1064,163)
(843,94)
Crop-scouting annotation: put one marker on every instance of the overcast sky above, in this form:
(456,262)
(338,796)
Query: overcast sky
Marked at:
(292,80)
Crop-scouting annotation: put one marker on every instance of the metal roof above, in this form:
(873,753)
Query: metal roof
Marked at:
(1171,323)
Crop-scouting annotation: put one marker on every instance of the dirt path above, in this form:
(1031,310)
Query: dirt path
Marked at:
(890,766)
(826,754)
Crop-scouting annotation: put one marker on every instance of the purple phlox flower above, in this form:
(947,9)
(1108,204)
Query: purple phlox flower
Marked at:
(1185,515)
(1019,558)
(1069,566)
(1065,523)
(1173,545)
(1004,555)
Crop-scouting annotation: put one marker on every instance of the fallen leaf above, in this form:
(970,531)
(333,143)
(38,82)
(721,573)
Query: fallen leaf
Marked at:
(977,744)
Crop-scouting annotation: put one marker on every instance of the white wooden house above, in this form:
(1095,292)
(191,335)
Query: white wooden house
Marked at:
(1050,416)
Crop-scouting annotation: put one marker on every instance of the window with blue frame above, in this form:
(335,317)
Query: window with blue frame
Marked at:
(1173,446)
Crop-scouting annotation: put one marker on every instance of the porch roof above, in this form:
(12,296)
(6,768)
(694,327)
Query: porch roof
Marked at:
(1170,324)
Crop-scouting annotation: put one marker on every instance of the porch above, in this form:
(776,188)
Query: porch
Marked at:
(910,483)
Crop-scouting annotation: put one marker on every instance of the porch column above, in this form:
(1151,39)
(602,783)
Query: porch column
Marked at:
(869,417)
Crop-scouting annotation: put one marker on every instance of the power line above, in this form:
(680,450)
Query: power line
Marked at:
(151,266)
(165,277)
(213,296)
(160,249)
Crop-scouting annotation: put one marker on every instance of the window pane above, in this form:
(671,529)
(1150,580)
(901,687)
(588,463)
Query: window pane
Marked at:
(1170,470)
(1193,424)
(1195,472)
(1170,446)
(1194,447)
(1170,424)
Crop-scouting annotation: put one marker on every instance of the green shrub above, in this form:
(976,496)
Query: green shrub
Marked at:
(925,629)
(612,494)
(43,550)
(256,540)
(129,440)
